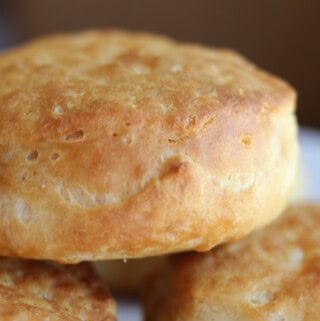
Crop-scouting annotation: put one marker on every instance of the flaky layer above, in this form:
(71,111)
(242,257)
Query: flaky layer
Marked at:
(271,275)
(38,291)
(117,145)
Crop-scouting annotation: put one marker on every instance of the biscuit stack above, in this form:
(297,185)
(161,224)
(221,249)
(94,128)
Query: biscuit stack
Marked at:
(116,145)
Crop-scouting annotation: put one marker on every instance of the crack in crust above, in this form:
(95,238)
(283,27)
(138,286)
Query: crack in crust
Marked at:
(169,164)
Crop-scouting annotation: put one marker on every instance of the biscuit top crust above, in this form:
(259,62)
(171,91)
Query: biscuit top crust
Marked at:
(106,134)
(65,99)
(33,290)
(81,86)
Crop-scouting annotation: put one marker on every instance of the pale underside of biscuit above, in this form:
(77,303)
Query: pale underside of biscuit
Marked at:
(272,275)
(119,145)
(44,291)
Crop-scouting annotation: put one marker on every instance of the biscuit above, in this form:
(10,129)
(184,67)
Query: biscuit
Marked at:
(126,145)
(38,291)
(271,275)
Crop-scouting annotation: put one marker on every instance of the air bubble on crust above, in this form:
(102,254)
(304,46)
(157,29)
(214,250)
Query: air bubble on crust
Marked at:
(23,210)
(33,156)
(55,156)
(75,136)
(246,141)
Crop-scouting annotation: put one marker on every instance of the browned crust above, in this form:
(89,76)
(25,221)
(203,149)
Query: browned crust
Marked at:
(31,290)
(271,275)
(118,145)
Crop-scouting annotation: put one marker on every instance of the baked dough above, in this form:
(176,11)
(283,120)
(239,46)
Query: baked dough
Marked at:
(120,145)
(44,291)
(271,275)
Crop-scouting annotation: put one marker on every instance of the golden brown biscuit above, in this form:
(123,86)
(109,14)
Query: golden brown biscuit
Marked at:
(119,145)
(272,275)
(44,291)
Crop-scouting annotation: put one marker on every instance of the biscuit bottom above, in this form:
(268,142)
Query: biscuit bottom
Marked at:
(271,275)
(31,290)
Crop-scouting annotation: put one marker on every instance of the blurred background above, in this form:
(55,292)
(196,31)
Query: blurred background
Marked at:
(281,36)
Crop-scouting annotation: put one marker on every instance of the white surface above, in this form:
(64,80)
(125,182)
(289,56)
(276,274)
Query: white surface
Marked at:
(129,311)
(310,154)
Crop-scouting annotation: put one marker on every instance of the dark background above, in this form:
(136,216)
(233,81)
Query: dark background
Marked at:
(282,36)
